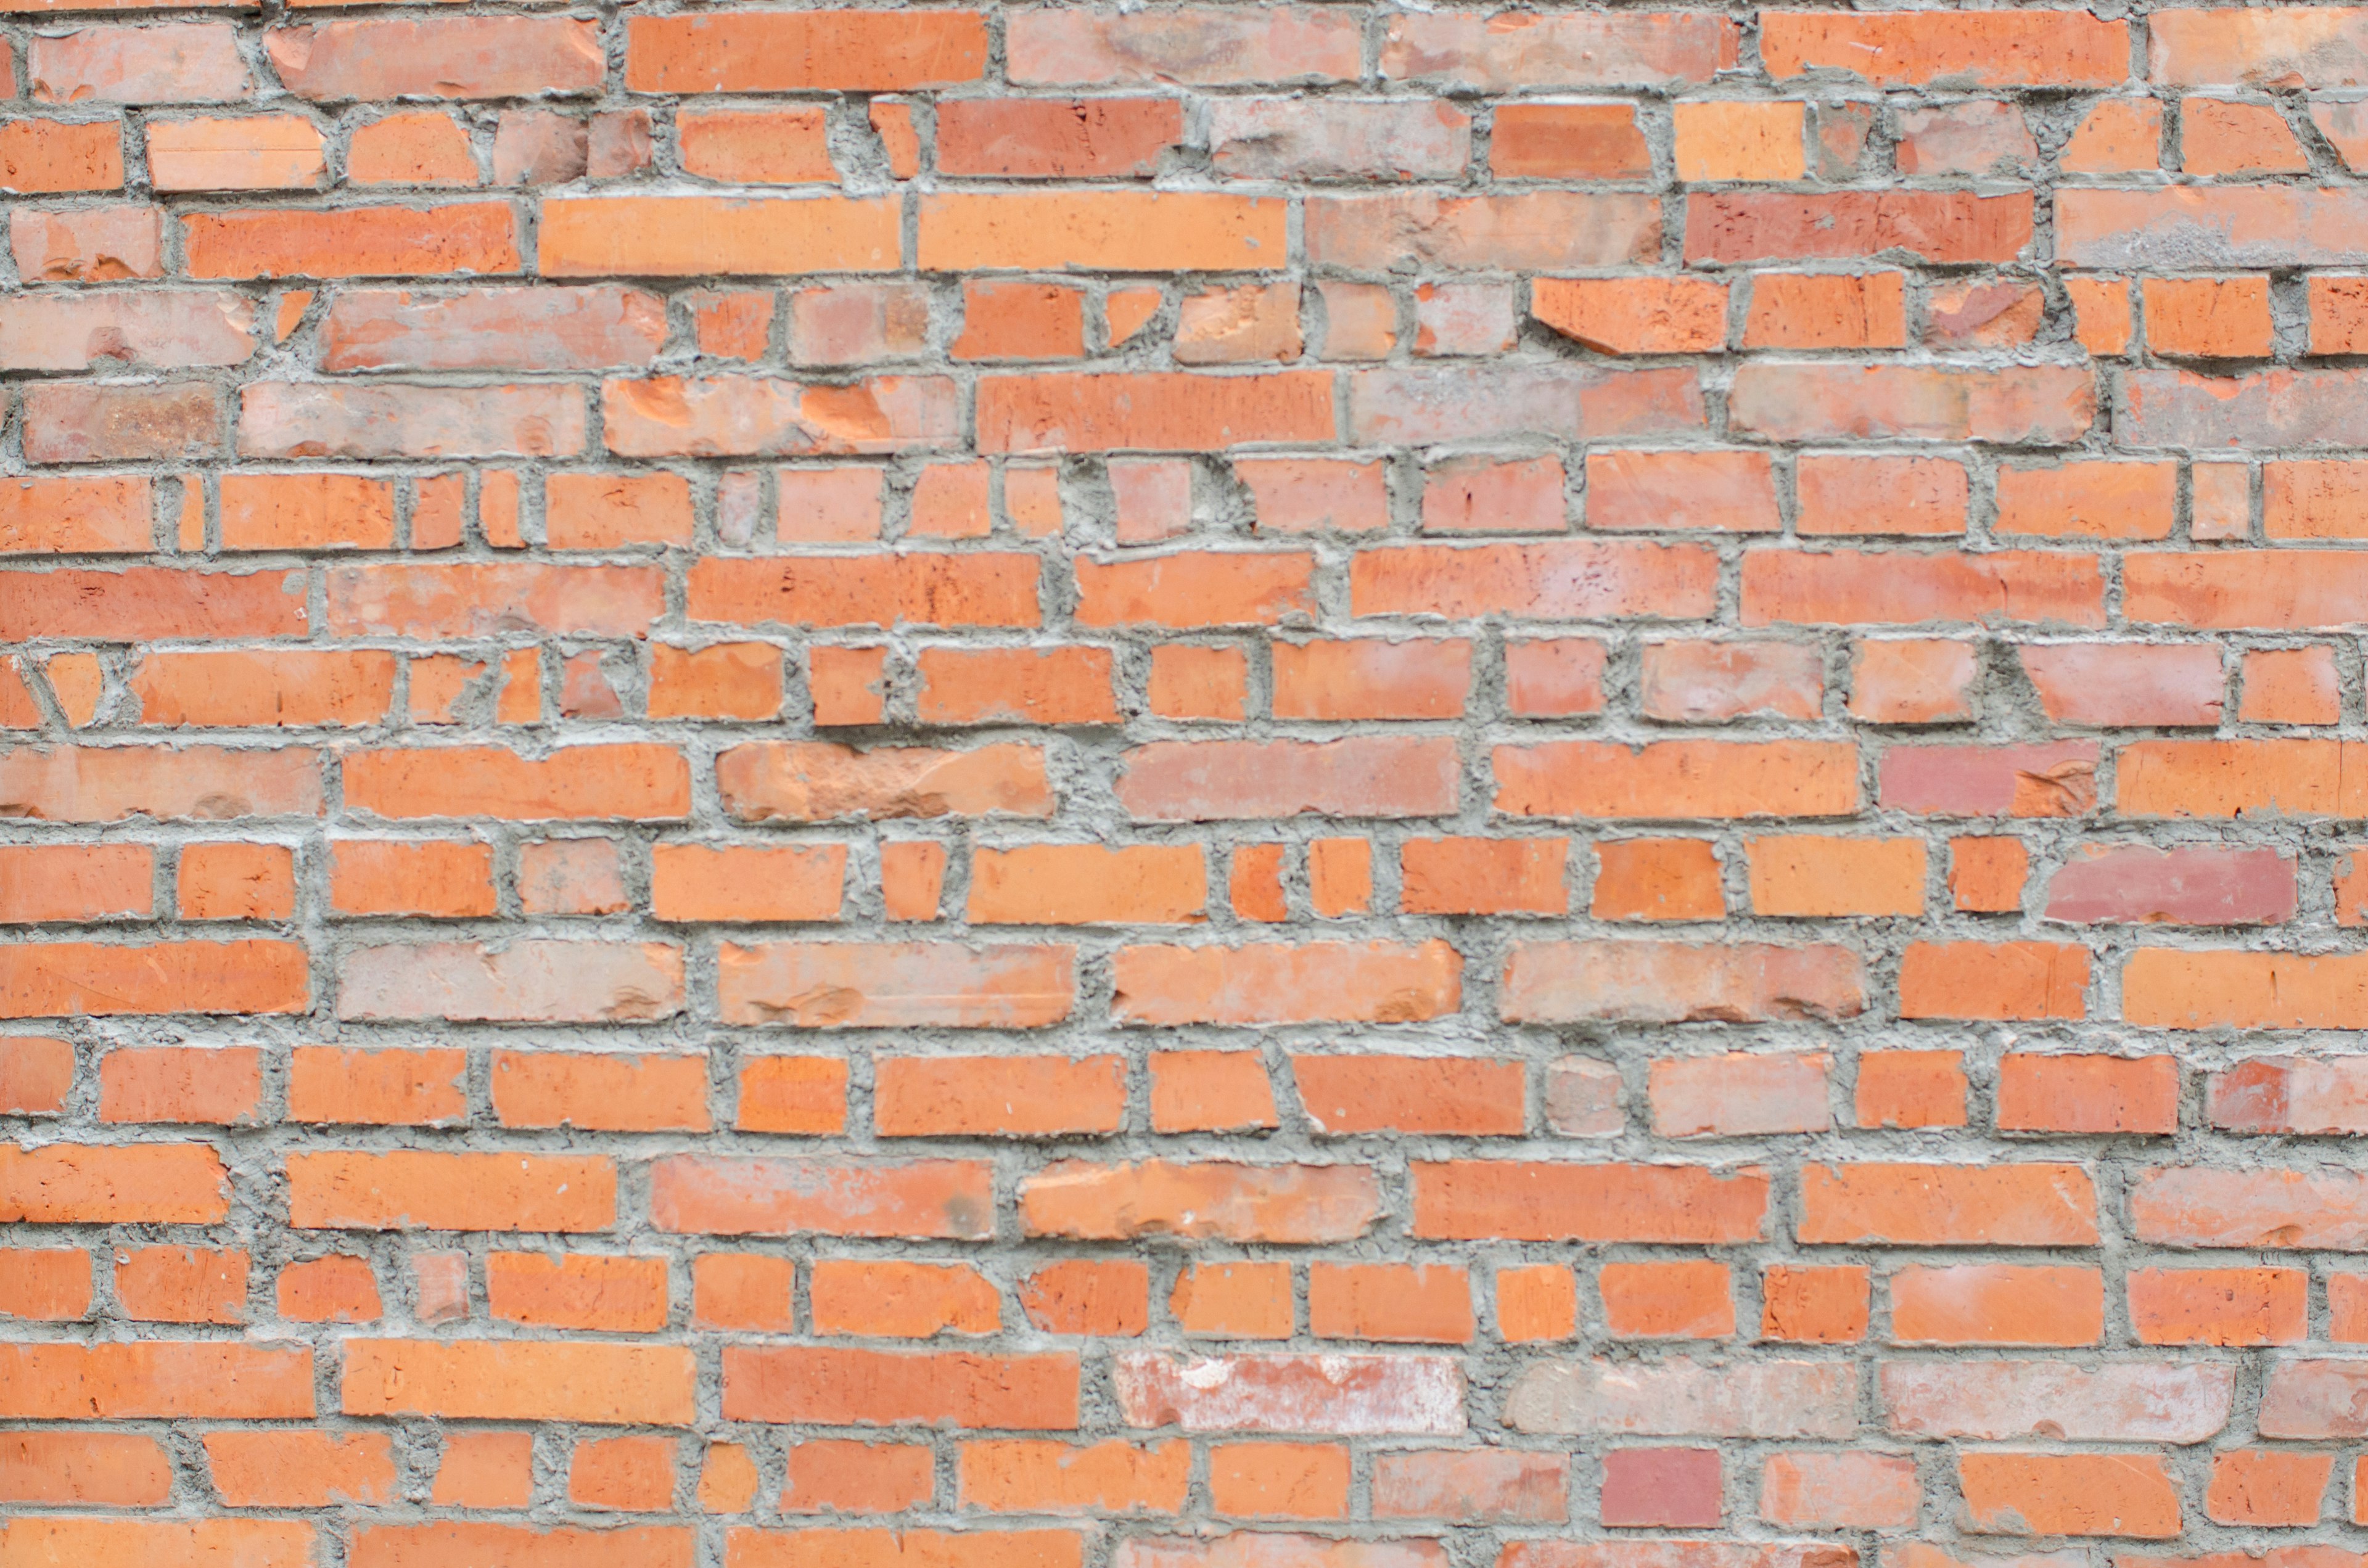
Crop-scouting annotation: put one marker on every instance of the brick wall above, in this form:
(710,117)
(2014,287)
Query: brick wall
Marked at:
(1182,786)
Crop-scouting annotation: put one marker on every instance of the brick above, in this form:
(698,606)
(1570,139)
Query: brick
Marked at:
(894,985)
(900,1299)
(1460,403)
(1739,140)
(2217,1306)
(1337,1395)
(1684,778)
(180,1083)
(755,147)
(1272,1481)
(245,152)
(828,50)
(338,1289)
(118,1468)
(1472,1486)
(1083,1297)
(1846,1490)
(1628,316)
(187,62)
(1236,1202)
(726,1196)
(269,1543)
(55,979)
(36,1074)
(1666,1487)
(2088,1094)
(2190,1206)
(72,884)
(1538,1201)
(581,1291)
(1278,138)
(428,1190)
(1470,51)
(92,244)
(43,156)
(425,147)
(1997,1304)
(1944,1205)
(1666,1300)
(487,57)
(1050,686)
(1038,1477)
(2054,779)
(2037,48)
(2267,1487)
(1739,1094)
(940,589)
(1033,1096)
(2004,1399)
(1673,982)
(1122,230)
(390,1087)
(1236,1300)
(2276,1094)
(676,236)
(155,1380)
(409,1546)
(1348,1094)
(1550,140)
(520,1379)
(1938,226)
(881,1388)
(2299,685)
(300,1469)
(1827,311)
(2079,1494)
(1375,981)
(590,327)
(356,242)
(1822,401)
(1813,1306)
(2197,990)
(1680,1398)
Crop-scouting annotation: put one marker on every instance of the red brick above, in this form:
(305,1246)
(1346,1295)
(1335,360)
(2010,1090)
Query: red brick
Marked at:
(1215,1199)
(825,50)
(2217,1306)
(1997,1304)
(388,1087)
(1540,1201)
(118,1468)
(1672,982)
(1029,1096)
(1948,1205)
(2046,1093)
(155,1380)
(729,1196)
(36,1074)
(1898,49)
(848,1387)
(1377,981)
(1582,141)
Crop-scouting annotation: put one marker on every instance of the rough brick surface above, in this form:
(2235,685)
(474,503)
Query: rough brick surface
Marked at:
(1183,785)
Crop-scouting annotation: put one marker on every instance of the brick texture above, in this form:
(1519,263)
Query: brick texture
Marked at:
(1183,785)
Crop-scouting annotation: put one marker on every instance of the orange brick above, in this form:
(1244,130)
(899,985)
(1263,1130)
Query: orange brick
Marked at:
(1656,878)
(1665,1301)
(1237,1300)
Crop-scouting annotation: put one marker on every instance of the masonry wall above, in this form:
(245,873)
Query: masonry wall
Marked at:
(1185,787)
